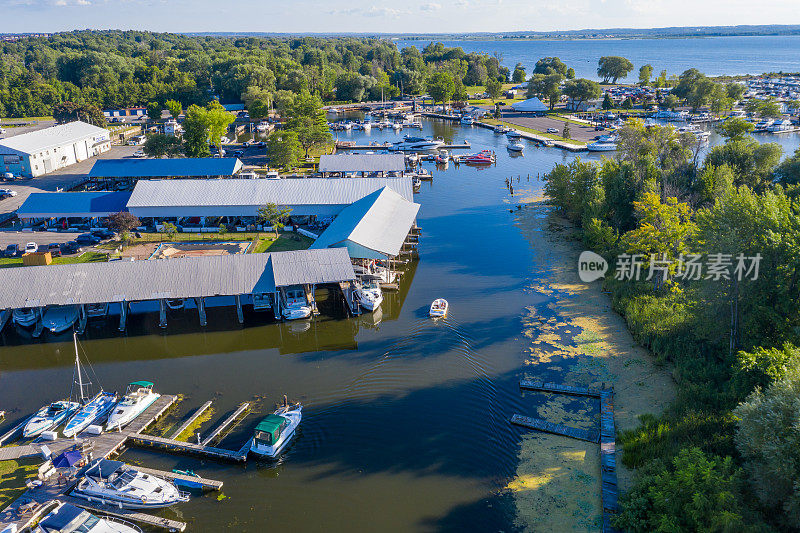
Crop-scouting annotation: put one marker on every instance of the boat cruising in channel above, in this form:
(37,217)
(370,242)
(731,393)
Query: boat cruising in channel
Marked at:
(438,308)
(138,397)
(274,432)
(115,483)
(67,518)
(412,144)
(92,410)
(369,294)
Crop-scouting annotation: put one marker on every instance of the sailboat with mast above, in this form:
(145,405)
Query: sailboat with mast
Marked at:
(93,409)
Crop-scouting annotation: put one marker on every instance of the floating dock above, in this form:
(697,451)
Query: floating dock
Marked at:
(587,435)
(179,446)
(558,388)
(191,419)
(228,421)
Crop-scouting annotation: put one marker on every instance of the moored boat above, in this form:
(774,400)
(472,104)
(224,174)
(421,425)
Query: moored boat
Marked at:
(25,317)
(93,410)
(513,135)
(295,303)
(118,484)
(369,294)
(60,318)
(67,518)
(49,417)
(275,431)
(138,397)
(516,146)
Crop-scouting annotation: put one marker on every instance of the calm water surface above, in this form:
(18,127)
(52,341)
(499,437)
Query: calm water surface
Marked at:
(712,55)
(406,420)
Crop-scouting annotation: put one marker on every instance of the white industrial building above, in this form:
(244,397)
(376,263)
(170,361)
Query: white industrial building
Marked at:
(43,151)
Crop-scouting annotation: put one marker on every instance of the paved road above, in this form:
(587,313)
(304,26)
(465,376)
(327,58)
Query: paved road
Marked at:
(63,179)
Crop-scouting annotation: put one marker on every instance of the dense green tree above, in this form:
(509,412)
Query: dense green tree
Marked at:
(734,128)
(751,161)
(284,149)
(788,172)
(519,75)
(550,65)
(613,68)
(70,111)
(608,103)
(581,90)
(258,102)
(545,86)
(494,88)
(158,145)
(175,108)
(645,73)
(735,91)
(154,110)
(274,216)
(309,122)
(441,87)
(570,73)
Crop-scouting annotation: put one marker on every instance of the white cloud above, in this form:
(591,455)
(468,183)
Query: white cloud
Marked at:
(430,7)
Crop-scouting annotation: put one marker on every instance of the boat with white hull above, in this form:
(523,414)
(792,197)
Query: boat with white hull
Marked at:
(118,484)
(412,144)
(49,417)
(369,294)
(274,432)
(92,410)
(295,303)
(138,397)
(438,308)
(67,518)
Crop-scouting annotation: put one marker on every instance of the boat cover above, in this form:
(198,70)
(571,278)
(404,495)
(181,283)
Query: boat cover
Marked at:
(61,518)
(272,425)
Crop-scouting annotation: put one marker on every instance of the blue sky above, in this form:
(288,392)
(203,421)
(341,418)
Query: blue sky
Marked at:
(385,16)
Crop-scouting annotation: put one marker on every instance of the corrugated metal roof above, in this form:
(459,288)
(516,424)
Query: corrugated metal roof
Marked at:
(174,168)
(36,141)
(239,192)
(380,221)
(224,275)
(362,163)
(73,204)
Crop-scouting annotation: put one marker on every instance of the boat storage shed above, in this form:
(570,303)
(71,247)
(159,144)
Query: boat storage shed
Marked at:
(374,227)
(380,165)
(187,167)
(42,151)
(531,105)
(73,204)
(242,197)
(195,277)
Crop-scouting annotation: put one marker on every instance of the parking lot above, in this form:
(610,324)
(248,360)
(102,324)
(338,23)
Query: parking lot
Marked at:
(577,131)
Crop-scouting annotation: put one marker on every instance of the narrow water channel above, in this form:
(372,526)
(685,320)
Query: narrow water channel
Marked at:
(406,420)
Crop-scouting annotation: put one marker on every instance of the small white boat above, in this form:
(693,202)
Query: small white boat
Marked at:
(295,303)
(96,310)
(417,144)
(274,432)
(25,317)
(602,146)
(262,301)
(67,518)
(516,146)
(60,318)
(397,126)
(467,120)
(176,303)
(438,308)
(366,126)
(369,294)
(513,135)
(138,397)
(442,157)
(49,417)
(117,484)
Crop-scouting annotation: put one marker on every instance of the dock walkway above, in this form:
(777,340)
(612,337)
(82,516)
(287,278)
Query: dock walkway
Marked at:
(228,421)
(178,446)
(558,388)
(557,429)
(191,419)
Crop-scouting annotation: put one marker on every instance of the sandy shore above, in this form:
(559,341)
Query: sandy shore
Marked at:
(574,338)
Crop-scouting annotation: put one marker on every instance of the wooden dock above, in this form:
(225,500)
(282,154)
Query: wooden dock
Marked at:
(13,432)
(558,388)
(204,483)
(191,419)
(228,421)
(608,459)
(130,515)
(557,429)
(345,146)
(178,446)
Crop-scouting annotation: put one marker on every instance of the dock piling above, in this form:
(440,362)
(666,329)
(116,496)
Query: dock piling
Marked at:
(201,310)
(162,313)
(239,312)
(123,314)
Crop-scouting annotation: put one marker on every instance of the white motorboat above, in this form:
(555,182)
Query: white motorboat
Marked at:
(262,301)
(516,146)
(417,144)
(438,308)
(602,146)
(295,303)
(442,157)
(383,274)
(67,518)
(467,120)
(138,397)
(262,126)
(60,318)
(366,126)
(95,409)
(501,129)
(397,126)
(513,135)
(369,294)
(25,317)
(49,417)
(274,432)
(121,485)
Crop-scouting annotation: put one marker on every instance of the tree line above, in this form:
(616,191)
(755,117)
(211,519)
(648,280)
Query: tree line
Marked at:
(725,455)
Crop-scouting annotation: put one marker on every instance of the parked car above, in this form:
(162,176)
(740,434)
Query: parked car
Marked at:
(31,247)
(103,233)
(139,153)
(55,249)
(87,239)
(7,192)
(552,130)
(71,247)
(12,250)
(261,144)
(237,152)
(8,176)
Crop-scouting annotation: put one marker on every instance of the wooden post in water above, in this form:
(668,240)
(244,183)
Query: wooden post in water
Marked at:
(162,313)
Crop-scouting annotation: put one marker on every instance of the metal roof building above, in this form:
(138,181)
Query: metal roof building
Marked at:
(374,227)
(196,277)
(243,197)
(73,204)
(200,167)
(42,151)
(376,164)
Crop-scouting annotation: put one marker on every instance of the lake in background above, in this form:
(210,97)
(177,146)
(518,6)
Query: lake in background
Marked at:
(714,56)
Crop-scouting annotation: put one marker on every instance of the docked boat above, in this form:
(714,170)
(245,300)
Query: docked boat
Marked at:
(295,303)
(262,301)
(96,310)
(93,410)
(262,126)
(513,135)
(442,157)
(176,303)
(417,144)
(501,129)
(604,143)
(438,308)
(138,397)
(484,157)
(121,485)
(516,146)
(369,294)
(274,432)
(60,318)
(467,120)
(49,417)
(67,518)
(25,317)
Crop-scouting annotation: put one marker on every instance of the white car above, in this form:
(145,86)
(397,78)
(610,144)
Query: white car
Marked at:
(552,130)
(31,247)
(7,192)
(139,153)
